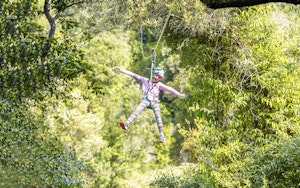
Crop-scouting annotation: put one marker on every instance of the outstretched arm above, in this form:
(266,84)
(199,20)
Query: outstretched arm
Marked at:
(129,73)
(171,90)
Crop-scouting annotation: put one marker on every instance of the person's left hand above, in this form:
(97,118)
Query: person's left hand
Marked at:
(117,69)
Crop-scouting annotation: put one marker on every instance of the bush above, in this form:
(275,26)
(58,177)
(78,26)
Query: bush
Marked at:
(278,165)
(184,176)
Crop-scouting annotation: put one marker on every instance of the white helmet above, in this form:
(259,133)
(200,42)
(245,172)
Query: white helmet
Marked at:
(159,71)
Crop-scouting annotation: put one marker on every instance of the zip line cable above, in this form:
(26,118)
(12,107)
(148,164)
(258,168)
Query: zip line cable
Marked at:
(163,30)
(142,48)
(159,39)
(153,55)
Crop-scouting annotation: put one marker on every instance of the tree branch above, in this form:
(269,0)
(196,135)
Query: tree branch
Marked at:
(75,3)
(52,30)
(241,3)
(50,19)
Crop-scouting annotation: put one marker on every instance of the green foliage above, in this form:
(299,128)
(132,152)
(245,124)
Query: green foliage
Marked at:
(243,86)
(239,123)
(30,156)
(26,72)
(275,165)
(182,176)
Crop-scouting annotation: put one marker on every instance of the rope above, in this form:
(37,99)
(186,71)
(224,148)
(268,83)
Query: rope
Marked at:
(142,48)
(163,30)
(159,39)
(153,56)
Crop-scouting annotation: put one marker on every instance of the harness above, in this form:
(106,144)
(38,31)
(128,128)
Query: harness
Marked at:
(154,98)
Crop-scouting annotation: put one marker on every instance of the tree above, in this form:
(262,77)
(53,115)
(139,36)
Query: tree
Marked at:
(243,75)
(34,64)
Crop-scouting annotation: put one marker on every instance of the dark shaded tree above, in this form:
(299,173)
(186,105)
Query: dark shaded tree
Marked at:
(34,64)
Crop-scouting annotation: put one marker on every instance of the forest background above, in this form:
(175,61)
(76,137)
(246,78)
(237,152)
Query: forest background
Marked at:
(61,101)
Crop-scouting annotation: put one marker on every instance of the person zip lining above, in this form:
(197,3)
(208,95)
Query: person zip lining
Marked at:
(150,90)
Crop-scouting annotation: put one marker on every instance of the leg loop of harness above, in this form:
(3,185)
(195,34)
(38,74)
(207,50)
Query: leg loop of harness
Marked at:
(149,106)
(150,103)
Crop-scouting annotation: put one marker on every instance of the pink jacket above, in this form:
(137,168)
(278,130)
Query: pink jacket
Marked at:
(150,91)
